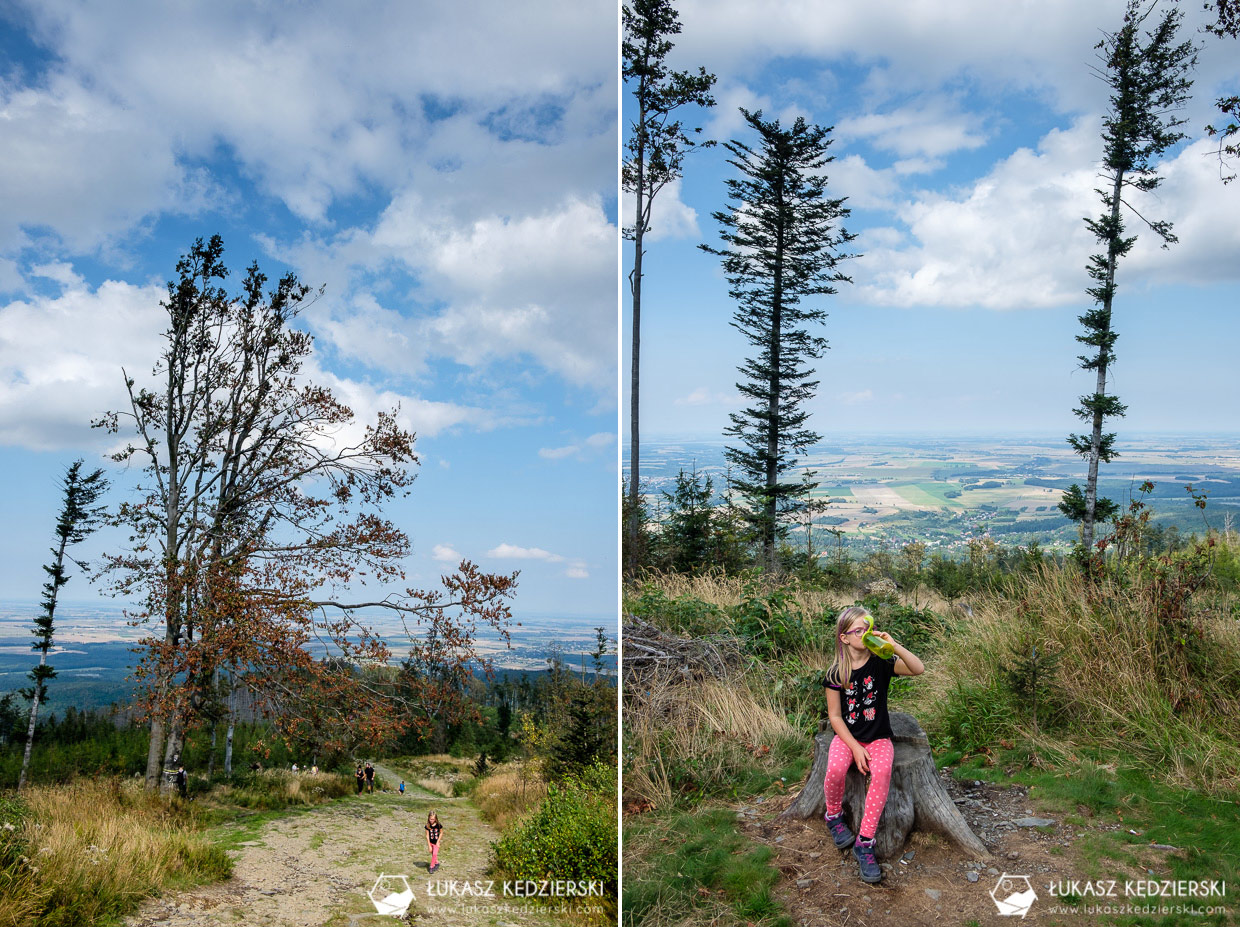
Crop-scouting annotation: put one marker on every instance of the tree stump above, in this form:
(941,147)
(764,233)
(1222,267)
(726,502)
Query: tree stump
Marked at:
(916,800)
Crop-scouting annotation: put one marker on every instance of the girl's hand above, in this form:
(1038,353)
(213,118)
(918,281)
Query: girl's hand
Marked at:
(883,635)
(861,757)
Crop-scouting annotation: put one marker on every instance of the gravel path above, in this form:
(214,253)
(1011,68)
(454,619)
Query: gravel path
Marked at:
(314,868)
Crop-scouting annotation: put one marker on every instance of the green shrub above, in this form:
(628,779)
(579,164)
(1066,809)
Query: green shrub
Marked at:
(683,614)
(571,836)
(771,622)
(976,716)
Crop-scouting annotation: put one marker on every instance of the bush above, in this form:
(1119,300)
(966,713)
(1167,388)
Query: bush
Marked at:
(571,836)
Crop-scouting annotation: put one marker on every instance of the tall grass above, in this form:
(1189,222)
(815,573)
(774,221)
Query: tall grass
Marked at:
(91,850)
(1113,671)
(507,793)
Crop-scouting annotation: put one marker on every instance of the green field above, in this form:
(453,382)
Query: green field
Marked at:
(928,494)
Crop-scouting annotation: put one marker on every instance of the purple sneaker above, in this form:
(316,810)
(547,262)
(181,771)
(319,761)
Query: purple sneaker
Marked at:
(870,870)
(840,833)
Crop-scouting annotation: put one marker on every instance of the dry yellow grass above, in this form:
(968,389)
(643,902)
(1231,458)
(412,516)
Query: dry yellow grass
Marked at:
(1118,677)
(94,848)
(508,792)
(725,590)
(714,724)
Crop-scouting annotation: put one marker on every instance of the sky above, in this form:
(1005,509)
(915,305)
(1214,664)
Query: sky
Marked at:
(447,171)
(967,142)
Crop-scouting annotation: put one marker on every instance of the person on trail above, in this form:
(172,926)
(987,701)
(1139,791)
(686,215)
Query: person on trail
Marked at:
(402,786)
(370,778)
(434,839)
(361,778)
(856,688)
(182,782)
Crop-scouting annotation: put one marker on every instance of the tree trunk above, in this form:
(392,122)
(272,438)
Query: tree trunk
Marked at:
(154,753)
(635,284)
(1104,351)
(916,800)
(34,716)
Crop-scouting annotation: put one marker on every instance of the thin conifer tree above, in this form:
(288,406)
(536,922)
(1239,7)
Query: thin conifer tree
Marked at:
(1148,76)
(782,246)
(79,517)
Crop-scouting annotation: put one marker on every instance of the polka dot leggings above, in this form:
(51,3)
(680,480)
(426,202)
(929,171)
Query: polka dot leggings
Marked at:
(839,758)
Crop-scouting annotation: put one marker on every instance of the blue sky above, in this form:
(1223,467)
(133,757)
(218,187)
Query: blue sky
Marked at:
(967,142)
(448,171)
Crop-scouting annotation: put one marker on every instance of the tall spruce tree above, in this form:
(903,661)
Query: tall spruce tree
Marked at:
(782,244)
(1148,76)
(654,152)
(79,517)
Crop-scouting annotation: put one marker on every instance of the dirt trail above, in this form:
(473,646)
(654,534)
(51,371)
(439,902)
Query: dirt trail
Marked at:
(313,869)
(937,883)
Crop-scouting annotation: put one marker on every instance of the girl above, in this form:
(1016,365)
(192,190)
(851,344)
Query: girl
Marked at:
(434,831)
(857,706)
(361,778)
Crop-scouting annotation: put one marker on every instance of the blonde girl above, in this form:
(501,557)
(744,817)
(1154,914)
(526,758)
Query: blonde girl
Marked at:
(856,686)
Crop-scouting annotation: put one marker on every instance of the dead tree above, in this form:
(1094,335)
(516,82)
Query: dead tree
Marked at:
(916,801)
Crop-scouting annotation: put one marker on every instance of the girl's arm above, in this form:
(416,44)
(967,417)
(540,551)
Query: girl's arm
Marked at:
(907,663)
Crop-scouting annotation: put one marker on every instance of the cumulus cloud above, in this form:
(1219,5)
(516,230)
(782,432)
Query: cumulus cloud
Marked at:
(507,551)
(928,127)
(1015,238)
(581,449)
(670,216)
(444,553)
(61,358)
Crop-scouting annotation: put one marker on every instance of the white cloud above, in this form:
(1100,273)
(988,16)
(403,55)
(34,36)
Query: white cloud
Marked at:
(513,552)
(1016,237)
(998,47)
(856,398)
(558,453)
(580,449)
(444,553)
(577,571)
(61,358)
(670,216)
(702,396)
(928,127)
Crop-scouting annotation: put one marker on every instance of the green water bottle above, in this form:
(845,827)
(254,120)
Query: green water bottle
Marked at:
(876,644)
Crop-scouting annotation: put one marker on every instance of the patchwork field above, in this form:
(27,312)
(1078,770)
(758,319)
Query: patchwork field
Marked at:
(943,491)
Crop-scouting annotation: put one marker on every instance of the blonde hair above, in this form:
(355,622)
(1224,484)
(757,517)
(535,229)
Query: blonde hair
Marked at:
(430,815)
(841,669)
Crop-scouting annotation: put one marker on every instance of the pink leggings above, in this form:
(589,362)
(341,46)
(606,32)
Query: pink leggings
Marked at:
(434,854)
(839,758)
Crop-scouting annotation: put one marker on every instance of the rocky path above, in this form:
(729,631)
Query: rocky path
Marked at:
(314,869)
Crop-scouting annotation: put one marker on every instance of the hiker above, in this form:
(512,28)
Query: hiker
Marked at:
(182,782)
(402,786)
(434,837)
(856,686)
(361,778)
(370,778)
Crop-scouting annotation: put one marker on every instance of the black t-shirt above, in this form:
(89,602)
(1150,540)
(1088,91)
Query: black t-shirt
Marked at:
(433,831)
(863,702)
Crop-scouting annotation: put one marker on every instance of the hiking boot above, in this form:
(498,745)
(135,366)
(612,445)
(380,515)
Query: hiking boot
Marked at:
(840,833)
(864,851)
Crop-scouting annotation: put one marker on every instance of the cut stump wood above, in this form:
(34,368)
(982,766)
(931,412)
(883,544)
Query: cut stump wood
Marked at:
(916,801)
